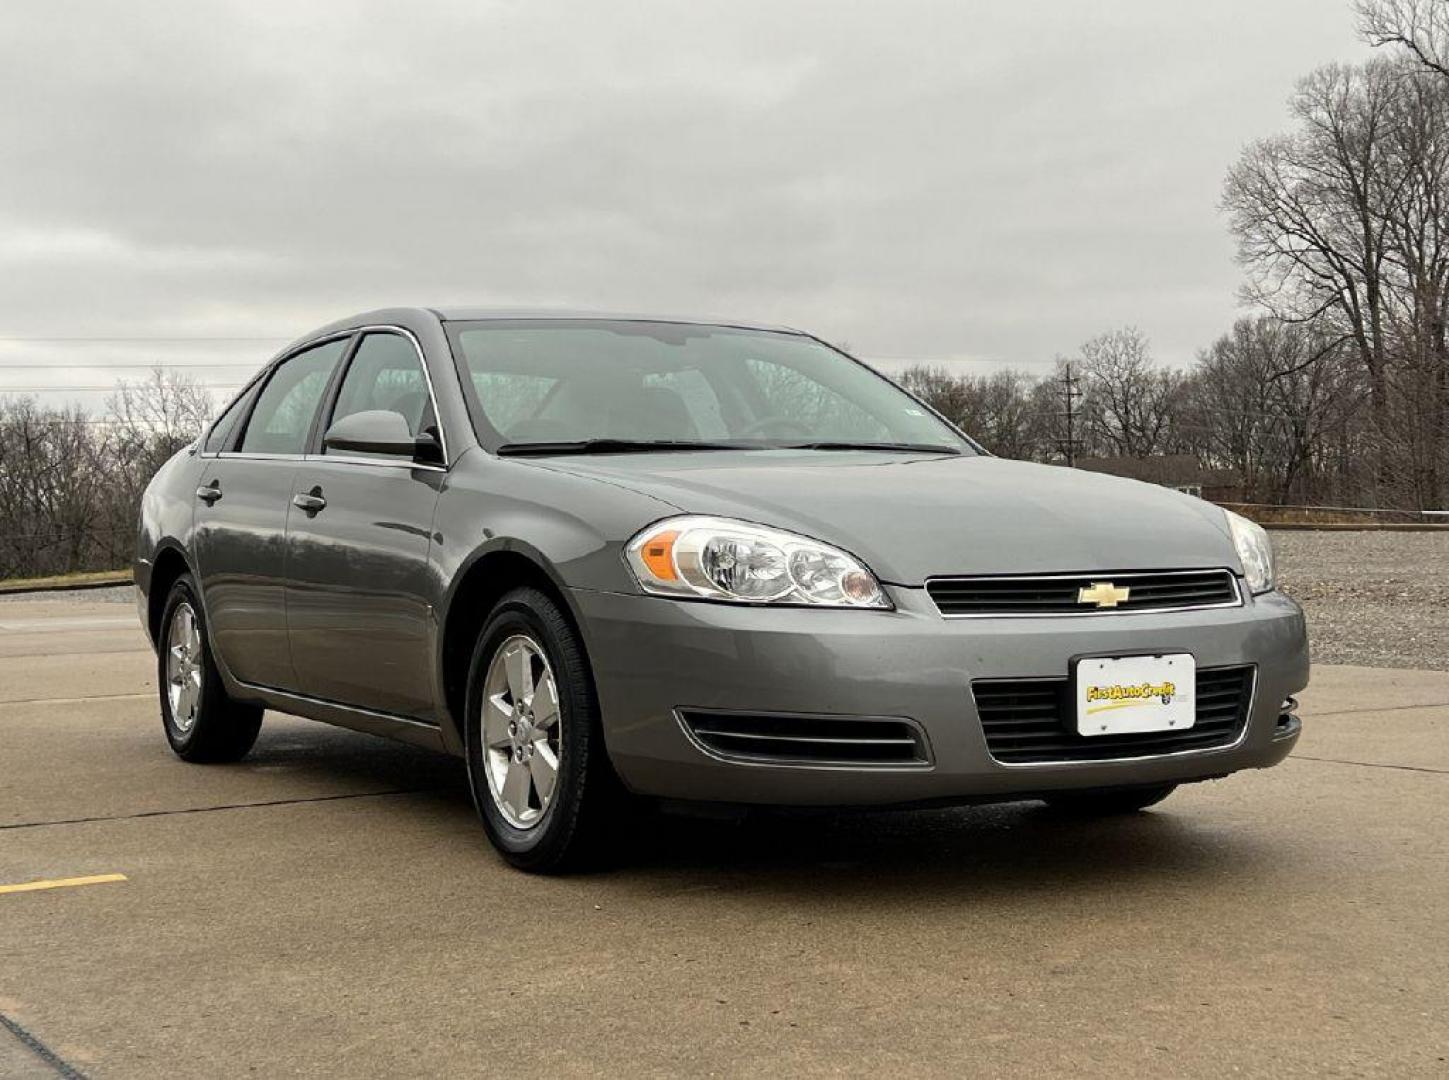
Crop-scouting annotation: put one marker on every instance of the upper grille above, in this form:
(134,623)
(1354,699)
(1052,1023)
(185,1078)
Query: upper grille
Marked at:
(1033,720)
(785,739)
(1057,594)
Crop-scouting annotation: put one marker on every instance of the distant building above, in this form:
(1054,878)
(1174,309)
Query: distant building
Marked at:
(1179,471)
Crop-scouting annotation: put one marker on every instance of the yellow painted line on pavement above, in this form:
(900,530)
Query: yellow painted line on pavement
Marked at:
(61,883)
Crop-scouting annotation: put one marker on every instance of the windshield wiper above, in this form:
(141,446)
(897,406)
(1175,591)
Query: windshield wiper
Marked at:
(636,446)
(611,446)
(915,448)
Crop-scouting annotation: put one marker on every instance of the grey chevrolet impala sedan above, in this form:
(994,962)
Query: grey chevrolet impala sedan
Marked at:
(606,557)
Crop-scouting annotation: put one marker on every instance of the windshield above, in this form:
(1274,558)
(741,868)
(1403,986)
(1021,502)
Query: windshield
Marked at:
(616,385)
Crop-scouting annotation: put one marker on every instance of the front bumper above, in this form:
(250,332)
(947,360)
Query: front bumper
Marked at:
(652,656)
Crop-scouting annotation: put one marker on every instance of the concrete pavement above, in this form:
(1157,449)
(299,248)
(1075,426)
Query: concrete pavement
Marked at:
(330,907)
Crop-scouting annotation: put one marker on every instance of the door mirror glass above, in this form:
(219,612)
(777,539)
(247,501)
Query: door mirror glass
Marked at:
(373,431)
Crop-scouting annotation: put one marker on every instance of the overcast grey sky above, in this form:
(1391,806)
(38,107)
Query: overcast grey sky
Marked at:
(921,180)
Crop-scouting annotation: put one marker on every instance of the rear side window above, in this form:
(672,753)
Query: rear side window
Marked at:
(385,373)
(288,403)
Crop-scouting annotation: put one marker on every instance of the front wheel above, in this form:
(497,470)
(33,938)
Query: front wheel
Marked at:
(1105,802)
(202,723)
(537,766)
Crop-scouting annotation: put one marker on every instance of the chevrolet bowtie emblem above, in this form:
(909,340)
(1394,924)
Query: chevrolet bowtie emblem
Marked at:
(1104,594)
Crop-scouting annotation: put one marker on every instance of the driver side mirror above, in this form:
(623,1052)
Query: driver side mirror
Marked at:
(382,431)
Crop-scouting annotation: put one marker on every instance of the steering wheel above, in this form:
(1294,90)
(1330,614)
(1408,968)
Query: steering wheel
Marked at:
(777,422)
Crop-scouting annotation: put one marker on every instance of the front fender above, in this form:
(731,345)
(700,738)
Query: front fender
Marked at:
(574,527)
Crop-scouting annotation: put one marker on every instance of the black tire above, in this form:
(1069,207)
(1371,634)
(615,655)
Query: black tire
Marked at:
(1106,802)
(567,830)
(218,729)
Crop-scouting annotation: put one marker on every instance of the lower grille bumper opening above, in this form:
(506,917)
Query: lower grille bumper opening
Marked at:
(1032,721)
(808,740)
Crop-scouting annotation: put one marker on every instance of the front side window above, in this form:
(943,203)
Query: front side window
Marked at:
(385,374)
(288,403)
(573,381)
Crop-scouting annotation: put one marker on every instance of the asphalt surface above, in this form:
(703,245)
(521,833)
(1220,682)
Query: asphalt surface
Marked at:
(330,908)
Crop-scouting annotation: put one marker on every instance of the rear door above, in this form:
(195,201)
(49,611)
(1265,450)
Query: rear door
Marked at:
(241,517)
(360,586)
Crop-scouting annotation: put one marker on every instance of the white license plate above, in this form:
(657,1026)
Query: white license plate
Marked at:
(1123,695)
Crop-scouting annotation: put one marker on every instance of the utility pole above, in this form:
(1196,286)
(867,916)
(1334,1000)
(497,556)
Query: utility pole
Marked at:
(1071,394)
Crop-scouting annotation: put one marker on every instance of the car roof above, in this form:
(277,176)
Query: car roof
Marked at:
(481,314)
(472,314)
(410,315)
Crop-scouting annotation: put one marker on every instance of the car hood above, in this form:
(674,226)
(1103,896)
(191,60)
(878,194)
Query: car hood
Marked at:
(911,517)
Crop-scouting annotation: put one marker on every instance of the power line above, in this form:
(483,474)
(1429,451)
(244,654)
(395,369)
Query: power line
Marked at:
(133,340)
(5,366)
(109,388)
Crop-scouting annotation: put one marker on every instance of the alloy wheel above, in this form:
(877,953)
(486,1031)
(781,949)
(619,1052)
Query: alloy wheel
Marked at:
(522,735)
(183,667)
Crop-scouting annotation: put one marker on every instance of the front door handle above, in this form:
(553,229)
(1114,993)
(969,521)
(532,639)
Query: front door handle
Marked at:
(209,493)
(312,502)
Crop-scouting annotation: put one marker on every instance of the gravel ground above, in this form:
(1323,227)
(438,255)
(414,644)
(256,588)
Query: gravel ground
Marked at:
(119,594)
(1379,599)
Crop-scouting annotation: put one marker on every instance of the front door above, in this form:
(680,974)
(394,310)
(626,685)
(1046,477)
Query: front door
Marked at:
(360,586)
(241,520)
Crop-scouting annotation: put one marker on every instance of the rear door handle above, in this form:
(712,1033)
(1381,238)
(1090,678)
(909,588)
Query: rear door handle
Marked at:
(209,493)
(311,503)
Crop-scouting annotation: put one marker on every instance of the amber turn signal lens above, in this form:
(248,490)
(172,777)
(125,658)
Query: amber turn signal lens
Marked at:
(658,556)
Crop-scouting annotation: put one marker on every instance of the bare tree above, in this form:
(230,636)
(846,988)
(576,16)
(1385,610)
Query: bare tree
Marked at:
(1127,404)
(55,489)
(996,409)
(1302,208)
(1418,291)
(952,396)
(150,420)
(1287,427)
(1344,225)
(170,406)
(1421,27)
(70,481)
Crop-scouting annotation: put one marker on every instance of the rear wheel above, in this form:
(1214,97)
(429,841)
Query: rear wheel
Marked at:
(540,775)
(201,722)
(1105,802)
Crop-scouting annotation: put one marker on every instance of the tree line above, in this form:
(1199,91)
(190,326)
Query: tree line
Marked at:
(71,480)
(1269,409)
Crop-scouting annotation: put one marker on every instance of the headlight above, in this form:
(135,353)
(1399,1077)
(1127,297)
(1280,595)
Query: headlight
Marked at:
(722,559)
(1254,549)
